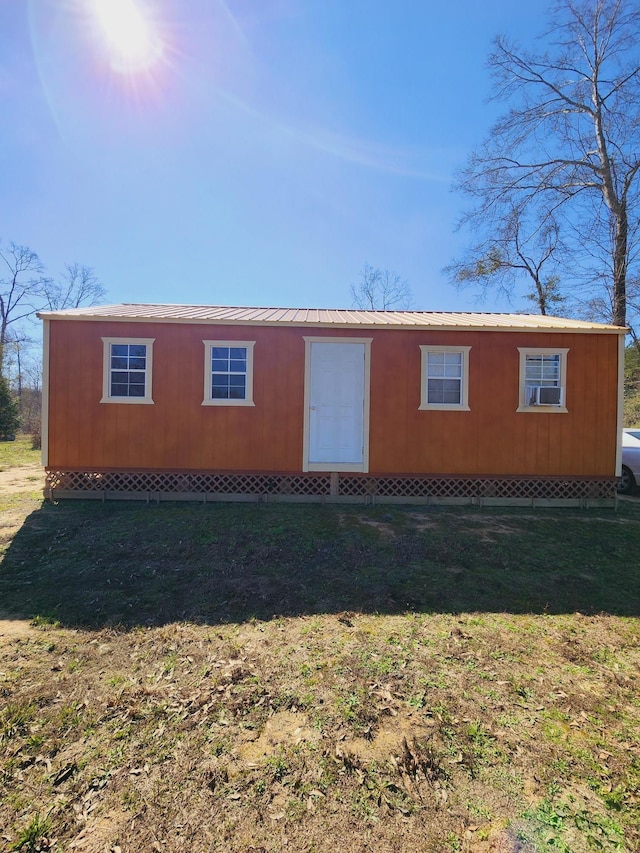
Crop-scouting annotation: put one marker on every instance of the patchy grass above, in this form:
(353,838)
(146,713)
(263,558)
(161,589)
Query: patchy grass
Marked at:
(21,482)
(261,678)
(125,565)
(18,452)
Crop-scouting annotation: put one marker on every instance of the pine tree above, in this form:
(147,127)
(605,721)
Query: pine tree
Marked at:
(9,420)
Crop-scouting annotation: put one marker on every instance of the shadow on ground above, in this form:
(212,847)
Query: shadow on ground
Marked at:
(92,565)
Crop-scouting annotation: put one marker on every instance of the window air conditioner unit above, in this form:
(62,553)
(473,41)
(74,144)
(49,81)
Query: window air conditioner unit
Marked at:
(545,395)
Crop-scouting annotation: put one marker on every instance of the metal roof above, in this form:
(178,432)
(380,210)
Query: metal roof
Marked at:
(346,318)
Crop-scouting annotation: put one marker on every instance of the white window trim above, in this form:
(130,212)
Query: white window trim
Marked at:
(548,410)
(207,398)
(463,405)
(106,371)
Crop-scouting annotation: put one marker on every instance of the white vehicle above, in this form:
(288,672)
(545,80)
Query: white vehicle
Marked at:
(630,477)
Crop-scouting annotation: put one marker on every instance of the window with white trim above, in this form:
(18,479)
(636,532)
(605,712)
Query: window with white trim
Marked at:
(542,379)
(127,370)
(228,373)
(444,378)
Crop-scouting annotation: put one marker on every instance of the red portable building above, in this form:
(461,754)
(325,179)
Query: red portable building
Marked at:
(174,401)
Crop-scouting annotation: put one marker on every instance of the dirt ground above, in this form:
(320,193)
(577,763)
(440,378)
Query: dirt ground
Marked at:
(18,480)
(18,489)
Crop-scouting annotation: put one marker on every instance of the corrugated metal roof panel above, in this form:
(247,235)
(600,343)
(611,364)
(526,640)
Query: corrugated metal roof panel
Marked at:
(220,314)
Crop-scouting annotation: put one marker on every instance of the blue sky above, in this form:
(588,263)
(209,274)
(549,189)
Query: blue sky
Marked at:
(273,149)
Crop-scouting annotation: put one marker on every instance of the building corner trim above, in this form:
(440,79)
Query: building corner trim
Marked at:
(44,418)
(620,414)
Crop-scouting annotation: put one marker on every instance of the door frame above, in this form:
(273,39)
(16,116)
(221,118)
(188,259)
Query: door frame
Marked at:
(336,466)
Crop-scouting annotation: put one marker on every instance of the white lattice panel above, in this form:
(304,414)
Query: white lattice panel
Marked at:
(320,485)
(194,483)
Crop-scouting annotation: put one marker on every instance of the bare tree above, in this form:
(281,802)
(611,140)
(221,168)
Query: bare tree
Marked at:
(20,289)
(380,290)
(511,253)
(569,145)
(78,285)
(16,355)
(25,288)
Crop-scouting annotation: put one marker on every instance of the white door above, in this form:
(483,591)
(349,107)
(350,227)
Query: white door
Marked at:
(336,418)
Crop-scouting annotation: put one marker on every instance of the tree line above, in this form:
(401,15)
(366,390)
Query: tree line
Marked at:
(25,288)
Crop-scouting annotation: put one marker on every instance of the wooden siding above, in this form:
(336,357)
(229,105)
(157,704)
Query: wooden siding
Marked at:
(493,438)
(177,433)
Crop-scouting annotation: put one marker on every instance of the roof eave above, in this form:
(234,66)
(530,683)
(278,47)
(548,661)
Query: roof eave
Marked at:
(431,327)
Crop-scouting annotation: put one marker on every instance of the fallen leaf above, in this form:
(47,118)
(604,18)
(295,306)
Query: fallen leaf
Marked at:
(63,774)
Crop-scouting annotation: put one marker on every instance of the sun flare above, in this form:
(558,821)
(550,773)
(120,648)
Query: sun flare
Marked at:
(131,38)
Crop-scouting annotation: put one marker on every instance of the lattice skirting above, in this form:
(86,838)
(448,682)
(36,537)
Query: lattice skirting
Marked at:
(334,488)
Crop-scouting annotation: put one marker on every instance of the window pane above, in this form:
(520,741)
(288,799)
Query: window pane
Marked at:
(138,350)
(120,349)
(238,366)
(220,393)
(118,390)
(219,380)
(542,370)
(533,377)
(453,370)
(220,352)
(237,387)
(136,390)
(451,391)
(120,376)
(444,364)
(434,391)
(119,363)
(238,352)
(220,365)
(137,363)
(444,391)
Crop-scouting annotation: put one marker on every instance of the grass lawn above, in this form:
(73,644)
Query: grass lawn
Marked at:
(237,677)
(18,452)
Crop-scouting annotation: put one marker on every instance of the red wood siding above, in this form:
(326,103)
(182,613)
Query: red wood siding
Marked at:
(493,438)
(178,433)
